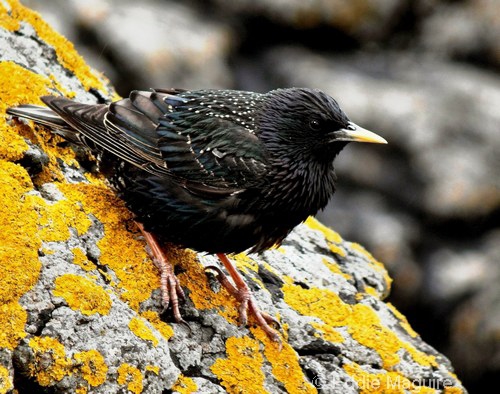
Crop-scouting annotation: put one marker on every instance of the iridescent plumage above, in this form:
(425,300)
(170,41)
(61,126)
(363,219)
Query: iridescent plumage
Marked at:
(218,171)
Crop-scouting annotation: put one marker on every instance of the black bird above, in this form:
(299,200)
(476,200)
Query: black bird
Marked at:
(218,171)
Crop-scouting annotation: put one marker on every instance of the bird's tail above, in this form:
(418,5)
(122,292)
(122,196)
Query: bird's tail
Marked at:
(46,117)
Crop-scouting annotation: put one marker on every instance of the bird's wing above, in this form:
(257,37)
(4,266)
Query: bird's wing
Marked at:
(169,136)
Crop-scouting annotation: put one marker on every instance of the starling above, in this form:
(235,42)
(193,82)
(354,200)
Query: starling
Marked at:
(217,171)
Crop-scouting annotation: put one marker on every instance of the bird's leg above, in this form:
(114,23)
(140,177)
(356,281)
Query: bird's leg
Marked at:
(171,289)
(243,294)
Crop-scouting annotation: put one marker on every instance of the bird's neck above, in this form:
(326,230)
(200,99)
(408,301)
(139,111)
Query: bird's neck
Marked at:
(300,185)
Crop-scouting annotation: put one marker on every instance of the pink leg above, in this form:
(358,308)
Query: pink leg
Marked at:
(243,294)
(171,289)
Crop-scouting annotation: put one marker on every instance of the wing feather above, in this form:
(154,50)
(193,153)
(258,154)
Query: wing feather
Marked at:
(172,133)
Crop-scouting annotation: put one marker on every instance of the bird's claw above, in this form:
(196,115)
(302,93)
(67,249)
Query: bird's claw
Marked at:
(171,290)
(248,304)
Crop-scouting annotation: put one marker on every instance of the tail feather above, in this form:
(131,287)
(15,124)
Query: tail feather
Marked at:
(38,114)
(46,117)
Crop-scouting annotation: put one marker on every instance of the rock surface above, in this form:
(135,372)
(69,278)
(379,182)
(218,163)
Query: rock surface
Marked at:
(79,300)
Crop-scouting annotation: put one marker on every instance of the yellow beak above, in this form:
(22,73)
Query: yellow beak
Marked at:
(353,132)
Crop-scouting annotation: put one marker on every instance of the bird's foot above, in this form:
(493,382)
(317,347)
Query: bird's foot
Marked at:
(243,295)
(171,290)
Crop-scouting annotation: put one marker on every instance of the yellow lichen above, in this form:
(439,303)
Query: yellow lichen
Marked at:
(80,258)
(49,364)
(139,327)
(21,86)
(153,368)
(372,291)
(241,372)
(328,333)
(121,249)
(131,377)
(387,382)
(338,250)
(6,383)
(18,250)
(453,390)
(381,383)
(92,366)
(244,262)
(402,321)
(335,269)
(185,385)
(329,234)
(81,390)
(66,53)
(361,321)
(56,219)
(285,365)
(163,328)
(12,320)
(82,294)
(200,293)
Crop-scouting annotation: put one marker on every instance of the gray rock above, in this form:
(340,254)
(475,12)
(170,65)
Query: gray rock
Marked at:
(465,29)
(476,322)
(160,45)
(362,19)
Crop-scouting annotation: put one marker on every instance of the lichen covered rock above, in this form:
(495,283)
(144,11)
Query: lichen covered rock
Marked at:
(80,307)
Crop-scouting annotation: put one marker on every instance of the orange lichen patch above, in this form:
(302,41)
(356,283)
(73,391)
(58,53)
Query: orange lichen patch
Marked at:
(453,390)
(329,234)
(92,366)
(338,250)
(335,269)
(82,294)
(139,327)
(243,262)
(390,383)
(200,293)
(333,238)
(20,86)
(96,179)
(372,291)
(383,383)
(6,383)
(185,385)
(121,250)
(18,250)
(328,333)
(153,368)
(12,321)
(66,53)
(24,86)
(362,323)
(131,377)
(49,364)
(163,328)
(285,364)
(57,218)
(80,258)
(241,371)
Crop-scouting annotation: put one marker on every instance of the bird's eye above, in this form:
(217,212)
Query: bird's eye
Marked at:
(315,124)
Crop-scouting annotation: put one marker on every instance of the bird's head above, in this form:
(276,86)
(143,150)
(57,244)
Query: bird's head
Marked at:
(299,121)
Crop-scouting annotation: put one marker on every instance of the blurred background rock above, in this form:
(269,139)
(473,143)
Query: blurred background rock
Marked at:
(424,74)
